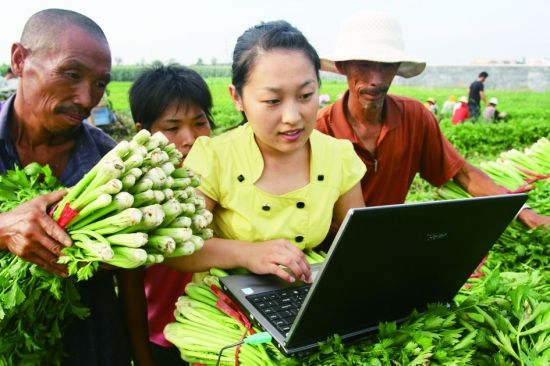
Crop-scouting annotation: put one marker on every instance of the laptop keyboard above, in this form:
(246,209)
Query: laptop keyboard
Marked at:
(280,307)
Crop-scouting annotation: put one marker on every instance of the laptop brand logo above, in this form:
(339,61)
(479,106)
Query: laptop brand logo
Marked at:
(435,236)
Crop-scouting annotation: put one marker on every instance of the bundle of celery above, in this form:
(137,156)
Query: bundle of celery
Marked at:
(35,305)
(527,171)
(518,248)
(201,329)
(133,208)
(518,170)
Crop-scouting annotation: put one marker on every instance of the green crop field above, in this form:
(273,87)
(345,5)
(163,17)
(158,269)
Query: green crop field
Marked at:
(519,104)
(529,119)
(529,113)
(224,112)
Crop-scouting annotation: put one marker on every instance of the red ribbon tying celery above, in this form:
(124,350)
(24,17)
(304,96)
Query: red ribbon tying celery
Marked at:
(477,273)
(229,307)
(67,215)
(521,189)
(527,186)
(536,176)
(238,348)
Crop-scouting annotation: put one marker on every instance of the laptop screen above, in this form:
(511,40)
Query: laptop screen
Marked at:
(386,261)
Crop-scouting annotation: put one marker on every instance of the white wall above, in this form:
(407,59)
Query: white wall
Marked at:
(501,77)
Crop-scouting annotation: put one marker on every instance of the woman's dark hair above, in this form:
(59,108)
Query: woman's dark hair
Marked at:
(277,34)
(158,88)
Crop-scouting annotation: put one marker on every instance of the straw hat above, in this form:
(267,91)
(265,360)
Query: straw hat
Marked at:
(431,100)
(372,36)
(463,99)
(493,100)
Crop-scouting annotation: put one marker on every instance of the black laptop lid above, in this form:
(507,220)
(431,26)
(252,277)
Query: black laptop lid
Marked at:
(387,260)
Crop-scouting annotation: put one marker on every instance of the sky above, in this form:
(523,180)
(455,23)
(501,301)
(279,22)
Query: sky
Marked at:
(437,31)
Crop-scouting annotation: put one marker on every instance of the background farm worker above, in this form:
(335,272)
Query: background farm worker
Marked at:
(475,95)
(63,62)
(176,101)
(8,84)
(448,106)
(101,114)
(462,99)
(273,183)
(460,114)
(491,113)
(431,105)
(396,137)
(323,100)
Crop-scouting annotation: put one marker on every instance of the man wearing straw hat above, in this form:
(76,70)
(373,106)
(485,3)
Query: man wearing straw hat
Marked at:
(396,137)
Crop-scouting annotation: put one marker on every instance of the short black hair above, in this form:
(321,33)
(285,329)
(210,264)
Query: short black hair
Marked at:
(157,88)
(267,36)
(43,28)
(483,74)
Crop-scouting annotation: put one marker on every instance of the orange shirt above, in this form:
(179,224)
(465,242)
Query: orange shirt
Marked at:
(410,142)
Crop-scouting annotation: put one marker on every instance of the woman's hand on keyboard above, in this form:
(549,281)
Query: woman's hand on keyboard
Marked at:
(273,256)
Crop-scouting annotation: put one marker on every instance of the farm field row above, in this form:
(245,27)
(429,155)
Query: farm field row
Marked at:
(529,113)
(529,116)
(518,104)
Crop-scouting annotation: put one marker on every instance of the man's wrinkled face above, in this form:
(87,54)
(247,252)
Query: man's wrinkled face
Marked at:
(368,81)
(63,83)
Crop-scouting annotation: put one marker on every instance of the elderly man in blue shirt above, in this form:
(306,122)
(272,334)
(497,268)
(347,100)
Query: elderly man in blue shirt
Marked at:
(63,62)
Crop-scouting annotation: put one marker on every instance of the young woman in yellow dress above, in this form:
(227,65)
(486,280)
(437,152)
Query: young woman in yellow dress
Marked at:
(274,184)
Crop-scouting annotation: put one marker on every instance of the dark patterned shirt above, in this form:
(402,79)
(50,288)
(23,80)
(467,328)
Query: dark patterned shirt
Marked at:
(101,338)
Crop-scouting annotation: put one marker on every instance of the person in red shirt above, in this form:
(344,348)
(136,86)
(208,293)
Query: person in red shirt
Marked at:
(396,137)
(461,114)
(176,101)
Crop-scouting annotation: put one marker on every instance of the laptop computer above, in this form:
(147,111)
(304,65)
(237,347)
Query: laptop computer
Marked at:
(384,262)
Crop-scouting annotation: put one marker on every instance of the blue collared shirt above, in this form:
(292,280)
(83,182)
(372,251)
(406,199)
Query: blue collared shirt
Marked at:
(91,145)
(101,338)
